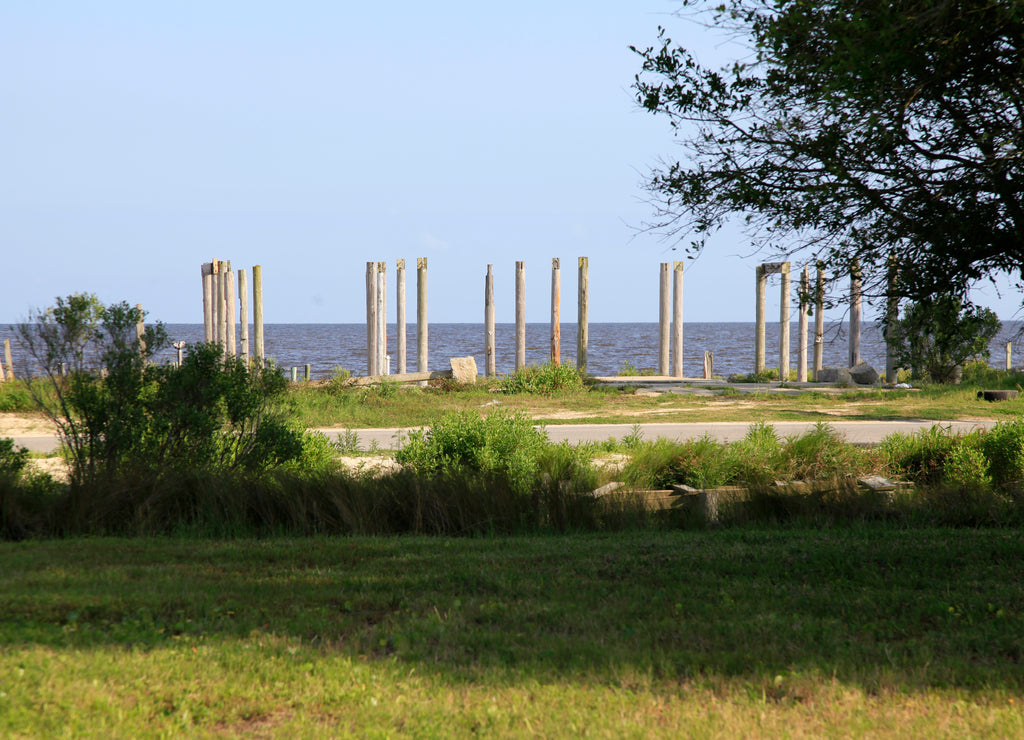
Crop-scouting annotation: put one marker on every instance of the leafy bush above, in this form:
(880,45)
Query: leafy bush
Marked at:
(919,458)
(546,379)
(501,445)
(14,396)
(12,459)
(1003,445)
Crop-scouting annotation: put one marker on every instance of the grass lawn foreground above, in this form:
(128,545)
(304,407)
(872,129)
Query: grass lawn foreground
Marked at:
(862,631)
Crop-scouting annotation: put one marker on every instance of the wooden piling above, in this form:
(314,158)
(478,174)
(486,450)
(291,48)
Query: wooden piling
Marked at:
(762,284)
(801,353)
(819,319)
(855,301)
(663,319)
(257,312)
(520,315)
(583,313)
(421,315)
(7,359)
(230,313)
(371,319)
(489,364)
(892,314)
(207,274)
(400,327)
(784,323)
(243,320)
(382,318)
(140,329)
(677,318)
(1009,357)
(556,312)
(307,372)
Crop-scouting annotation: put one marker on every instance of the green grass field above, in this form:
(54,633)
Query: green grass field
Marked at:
(861,631)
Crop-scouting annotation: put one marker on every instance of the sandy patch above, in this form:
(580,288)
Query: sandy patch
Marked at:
(23,425)
(55,467)
(373,465)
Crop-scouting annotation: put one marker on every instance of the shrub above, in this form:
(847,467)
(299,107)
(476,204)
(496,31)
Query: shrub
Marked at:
(1003,445)
(546,379)
(919,458)
(501,445)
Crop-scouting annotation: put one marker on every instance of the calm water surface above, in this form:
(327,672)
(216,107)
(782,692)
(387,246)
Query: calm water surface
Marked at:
(611,346)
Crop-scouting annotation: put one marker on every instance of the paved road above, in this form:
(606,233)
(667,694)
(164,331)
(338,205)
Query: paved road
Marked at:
(861,432)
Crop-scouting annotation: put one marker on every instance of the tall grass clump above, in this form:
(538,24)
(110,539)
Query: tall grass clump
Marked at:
(546,379)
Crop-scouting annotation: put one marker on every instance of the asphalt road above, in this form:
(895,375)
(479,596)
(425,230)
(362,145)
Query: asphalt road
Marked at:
(859,432)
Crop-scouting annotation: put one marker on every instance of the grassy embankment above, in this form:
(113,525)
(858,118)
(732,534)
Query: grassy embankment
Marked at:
(861,631)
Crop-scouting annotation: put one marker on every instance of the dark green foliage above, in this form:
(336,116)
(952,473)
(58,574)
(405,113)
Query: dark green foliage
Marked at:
(937,335)
(860,129)
(14,396)
(12,459)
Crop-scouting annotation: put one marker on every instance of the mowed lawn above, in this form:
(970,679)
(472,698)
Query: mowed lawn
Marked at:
(864,631)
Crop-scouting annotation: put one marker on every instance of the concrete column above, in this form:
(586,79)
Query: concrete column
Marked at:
(784,323)
(489,363)
(855,301)
(257,312)
(230,311)
(819,318)
(677,318)
(663,319)
(382,318)
(762,284)
(400,338)
(243,319)
(556,312)
(520,315)
(371,319)
(583,313)
(421,315)
(801,361)
(207,273)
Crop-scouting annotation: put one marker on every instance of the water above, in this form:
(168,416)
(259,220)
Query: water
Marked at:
(611,346)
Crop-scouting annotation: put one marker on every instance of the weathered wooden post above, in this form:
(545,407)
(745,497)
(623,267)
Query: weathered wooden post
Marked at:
(677,318)
(221,297)
(1009,363)
(801,354)
(784,324)
(371,318)
(207,274)
(762,285)
(3,373)
(556,312)
(400,315)
(709,364)
(855,299)
(231,312)
(892,314)
(7,359)
(243,305)
(489,368)
(520,315)
(421,315)
(583,313)
(819,319)
(257,312)
(663,319)
(382,318)
(180,347)
(307,372)
(140,329)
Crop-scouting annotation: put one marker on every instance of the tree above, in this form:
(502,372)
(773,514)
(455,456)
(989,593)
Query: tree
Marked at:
(855,129)
(936,335)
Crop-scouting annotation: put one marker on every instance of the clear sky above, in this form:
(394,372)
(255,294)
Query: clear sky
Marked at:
(139,140)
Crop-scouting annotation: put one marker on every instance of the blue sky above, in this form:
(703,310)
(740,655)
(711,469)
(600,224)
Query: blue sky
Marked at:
(139,140)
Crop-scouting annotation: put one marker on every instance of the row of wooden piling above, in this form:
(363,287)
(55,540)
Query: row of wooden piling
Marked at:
(219,309)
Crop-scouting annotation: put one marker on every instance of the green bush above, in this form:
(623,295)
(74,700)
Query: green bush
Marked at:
(501,445)
(14,396)
(1003,445)
(12,459)
(919,458)
(546,379)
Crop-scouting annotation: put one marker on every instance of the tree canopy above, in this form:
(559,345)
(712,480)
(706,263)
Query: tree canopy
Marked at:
(854,129)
